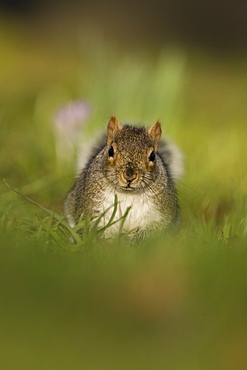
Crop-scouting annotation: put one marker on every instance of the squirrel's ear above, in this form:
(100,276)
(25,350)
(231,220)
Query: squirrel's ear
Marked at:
(155,132)
(113,127)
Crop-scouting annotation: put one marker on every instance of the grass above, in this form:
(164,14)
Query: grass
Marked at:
(171,301)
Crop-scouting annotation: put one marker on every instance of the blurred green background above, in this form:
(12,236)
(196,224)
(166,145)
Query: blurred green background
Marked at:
(169,302)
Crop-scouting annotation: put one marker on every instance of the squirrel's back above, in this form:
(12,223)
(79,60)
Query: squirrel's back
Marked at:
(127,166)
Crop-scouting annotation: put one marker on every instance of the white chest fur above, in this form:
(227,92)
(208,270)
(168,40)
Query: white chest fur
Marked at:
(142,214)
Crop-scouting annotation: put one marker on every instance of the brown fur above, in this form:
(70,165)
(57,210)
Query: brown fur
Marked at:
(130,173)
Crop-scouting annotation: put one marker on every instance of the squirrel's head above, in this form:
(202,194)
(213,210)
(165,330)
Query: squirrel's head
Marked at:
(131,154)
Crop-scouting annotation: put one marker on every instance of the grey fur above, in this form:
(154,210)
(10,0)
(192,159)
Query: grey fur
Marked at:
(130,174)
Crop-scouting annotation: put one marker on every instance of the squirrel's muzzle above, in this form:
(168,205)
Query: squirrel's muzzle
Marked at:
(129,174)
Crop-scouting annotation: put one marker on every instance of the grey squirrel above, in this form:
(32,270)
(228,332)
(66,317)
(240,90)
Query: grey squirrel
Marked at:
(128,164)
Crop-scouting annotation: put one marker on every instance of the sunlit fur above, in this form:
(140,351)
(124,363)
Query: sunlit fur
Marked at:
(142,186)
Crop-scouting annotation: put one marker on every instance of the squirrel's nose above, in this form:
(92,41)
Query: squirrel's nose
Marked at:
(129,174)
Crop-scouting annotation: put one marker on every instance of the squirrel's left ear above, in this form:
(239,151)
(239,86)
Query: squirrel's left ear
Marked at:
(113,127)
(155,132)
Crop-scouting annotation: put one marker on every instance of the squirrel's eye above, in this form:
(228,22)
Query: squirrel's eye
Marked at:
(152,156)
(111,152)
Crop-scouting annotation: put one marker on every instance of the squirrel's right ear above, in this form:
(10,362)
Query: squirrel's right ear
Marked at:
(113,127)
(155,132)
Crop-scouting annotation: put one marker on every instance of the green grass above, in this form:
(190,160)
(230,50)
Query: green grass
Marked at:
(170,302)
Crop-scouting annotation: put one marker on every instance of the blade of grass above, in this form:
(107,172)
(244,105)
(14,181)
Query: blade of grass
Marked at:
(53,214)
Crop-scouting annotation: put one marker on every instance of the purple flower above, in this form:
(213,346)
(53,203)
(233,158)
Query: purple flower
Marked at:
(70,118)
(69,126)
